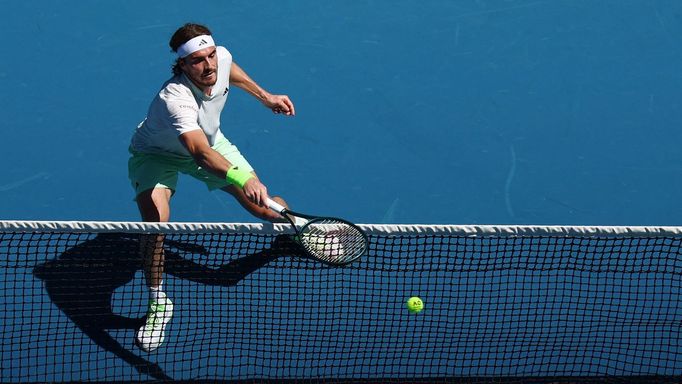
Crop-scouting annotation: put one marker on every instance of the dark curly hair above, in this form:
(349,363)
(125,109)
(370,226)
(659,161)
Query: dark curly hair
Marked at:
(184,34)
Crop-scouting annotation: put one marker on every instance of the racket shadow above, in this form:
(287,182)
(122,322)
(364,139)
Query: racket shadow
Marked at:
(231,273)
(81,282)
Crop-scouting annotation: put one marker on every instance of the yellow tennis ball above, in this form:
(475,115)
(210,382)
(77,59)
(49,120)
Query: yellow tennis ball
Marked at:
(415,304)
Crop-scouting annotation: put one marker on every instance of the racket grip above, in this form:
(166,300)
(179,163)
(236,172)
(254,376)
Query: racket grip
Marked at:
(275,206)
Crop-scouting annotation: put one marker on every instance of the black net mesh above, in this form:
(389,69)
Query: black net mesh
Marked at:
(247,307)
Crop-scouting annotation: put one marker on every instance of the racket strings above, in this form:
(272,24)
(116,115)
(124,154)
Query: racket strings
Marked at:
(333,241)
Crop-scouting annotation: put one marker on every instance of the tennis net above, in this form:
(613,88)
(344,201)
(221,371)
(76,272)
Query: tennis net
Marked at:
(512,304)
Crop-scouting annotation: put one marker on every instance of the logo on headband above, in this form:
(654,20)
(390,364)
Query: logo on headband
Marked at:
(194,44)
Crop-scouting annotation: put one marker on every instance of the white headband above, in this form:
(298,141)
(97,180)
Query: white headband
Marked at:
(198,43)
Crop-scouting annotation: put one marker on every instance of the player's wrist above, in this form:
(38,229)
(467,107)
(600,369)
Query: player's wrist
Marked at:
(267,98)
(238,177)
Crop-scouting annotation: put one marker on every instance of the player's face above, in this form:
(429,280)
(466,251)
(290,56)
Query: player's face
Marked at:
(202,67)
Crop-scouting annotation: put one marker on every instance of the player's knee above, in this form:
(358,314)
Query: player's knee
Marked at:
(269,215)
(154,205)
(280,201)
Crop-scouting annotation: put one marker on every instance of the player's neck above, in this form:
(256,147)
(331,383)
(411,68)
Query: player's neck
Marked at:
(205,89)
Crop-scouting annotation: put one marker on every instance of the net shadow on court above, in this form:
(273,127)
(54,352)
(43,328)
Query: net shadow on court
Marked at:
(82,280)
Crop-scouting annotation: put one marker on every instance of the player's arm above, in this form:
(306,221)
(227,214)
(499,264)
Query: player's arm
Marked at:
(212,161)
(277,103)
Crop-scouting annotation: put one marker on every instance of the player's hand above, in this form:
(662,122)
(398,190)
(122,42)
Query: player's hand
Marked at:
(280,104)
(256,192)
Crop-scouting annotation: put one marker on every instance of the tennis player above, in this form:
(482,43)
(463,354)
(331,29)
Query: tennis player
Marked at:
(181,134)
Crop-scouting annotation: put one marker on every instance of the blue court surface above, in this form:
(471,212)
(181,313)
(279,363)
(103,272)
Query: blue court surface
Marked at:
(495,112)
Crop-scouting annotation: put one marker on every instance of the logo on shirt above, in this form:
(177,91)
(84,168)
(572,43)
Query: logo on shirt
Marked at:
(183,106)
(227,89)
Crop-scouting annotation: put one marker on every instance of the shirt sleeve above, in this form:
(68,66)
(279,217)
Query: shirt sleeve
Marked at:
(183,111)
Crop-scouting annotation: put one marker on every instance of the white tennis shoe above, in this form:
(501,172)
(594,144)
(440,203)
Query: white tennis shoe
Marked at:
(150,336)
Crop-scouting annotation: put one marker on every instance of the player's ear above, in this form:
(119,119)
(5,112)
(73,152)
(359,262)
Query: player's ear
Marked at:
(181,64)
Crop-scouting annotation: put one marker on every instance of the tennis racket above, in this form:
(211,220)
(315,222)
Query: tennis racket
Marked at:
(327,239)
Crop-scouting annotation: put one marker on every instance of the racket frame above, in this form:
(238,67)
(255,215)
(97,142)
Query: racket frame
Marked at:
(299,221)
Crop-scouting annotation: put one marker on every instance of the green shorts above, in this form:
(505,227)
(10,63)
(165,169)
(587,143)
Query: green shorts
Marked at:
(148,170)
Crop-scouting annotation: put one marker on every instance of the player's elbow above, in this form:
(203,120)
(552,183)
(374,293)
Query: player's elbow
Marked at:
(199,150)
(200,154)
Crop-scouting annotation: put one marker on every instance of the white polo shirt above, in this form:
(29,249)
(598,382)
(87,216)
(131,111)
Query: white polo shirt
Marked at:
(179,107)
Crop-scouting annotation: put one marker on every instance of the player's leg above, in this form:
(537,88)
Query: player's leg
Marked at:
(154,206)
(154,179)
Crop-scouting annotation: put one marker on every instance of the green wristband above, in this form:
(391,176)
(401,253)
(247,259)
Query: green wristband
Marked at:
(237,176)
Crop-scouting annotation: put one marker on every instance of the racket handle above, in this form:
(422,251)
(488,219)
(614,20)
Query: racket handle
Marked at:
(279,208)
(275,206)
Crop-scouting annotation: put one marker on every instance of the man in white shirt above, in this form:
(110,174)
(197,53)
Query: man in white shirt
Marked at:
(181,134)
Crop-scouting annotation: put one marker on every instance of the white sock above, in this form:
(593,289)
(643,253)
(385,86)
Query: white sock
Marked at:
(156,293)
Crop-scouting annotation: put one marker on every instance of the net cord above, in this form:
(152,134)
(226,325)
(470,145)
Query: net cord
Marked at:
(370,229)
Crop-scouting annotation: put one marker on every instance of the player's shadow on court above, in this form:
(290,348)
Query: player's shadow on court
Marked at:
(81,282)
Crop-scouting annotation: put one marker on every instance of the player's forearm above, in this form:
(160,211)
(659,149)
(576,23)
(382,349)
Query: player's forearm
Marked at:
(212,162)
(197,145)
(241,80)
